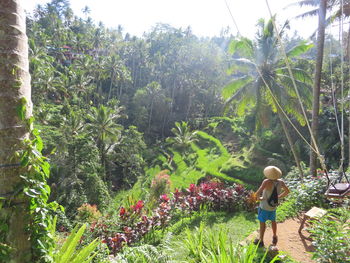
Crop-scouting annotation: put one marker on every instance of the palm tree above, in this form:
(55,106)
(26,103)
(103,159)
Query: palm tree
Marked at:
(104,129)
(317,81)
(153,89)
(14,90)
(335,8)
(183,136)
(261,72)
(342,8)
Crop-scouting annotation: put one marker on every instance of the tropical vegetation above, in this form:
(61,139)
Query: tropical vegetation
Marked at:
(124,148)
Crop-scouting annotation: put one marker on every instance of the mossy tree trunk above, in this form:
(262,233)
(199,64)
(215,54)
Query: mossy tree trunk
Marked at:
(14,92)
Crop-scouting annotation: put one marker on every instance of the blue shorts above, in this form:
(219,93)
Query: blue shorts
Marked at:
(264,215)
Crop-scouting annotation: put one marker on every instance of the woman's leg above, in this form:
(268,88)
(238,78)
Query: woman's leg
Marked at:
(262,230)
(274,231)
(274,228)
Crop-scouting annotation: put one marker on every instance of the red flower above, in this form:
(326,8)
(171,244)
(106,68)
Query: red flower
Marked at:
(164,198)
(93,225)
(192,188)
(122,211)
(239,188)
(138,206)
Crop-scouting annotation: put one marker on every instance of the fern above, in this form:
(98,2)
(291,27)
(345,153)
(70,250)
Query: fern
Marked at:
(144,254)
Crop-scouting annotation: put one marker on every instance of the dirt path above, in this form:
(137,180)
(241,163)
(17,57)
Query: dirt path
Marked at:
(298,246)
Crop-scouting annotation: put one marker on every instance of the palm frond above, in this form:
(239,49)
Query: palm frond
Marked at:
(239,93)
(243,46)
(299,49)
(235,85)
(313,12)
(244,104)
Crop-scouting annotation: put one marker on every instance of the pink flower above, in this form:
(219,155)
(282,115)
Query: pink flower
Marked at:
(164,198)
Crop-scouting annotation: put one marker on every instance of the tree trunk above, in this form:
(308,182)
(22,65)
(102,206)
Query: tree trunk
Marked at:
(14,88)
(150,115)
(317,81)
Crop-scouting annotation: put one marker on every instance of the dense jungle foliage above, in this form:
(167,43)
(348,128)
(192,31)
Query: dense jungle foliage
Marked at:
(129,122)
(106,103)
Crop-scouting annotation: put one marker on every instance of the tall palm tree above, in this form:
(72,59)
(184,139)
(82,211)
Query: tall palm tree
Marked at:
(261,72)
(104,129)
(336,9)
(317,81)
(14,90)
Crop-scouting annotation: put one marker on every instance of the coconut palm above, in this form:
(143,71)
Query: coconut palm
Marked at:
(14,91)
(260,72)
(104,129)
(336,9)
(333,7)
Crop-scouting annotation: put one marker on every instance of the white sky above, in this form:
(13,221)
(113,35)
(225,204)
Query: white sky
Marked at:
(206,17)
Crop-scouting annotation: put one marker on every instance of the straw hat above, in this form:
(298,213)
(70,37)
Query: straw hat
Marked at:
(272,172)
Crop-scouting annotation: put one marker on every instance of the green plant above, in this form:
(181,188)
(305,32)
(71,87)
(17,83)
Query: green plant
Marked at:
(213,246)
(88,213)
(162,253)
(69,252)
(194,242)
(35,187)
(331,235)
(160,185)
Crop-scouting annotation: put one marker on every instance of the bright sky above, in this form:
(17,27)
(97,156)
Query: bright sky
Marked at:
(206,17)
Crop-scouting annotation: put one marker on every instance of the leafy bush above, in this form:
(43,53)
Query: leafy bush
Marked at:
(88,213)
(146,253)
(160,185)
(331,237)
(133,223)
(127,158)
(304,194)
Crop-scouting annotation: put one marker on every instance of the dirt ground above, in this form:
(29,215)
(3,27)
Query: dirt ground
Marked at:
(296,245)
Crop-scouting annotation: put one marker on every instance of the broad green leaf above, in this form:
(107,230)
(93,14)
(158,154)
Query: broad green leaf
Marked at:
(299,49)
(231,88)
(83,254)
(69,246)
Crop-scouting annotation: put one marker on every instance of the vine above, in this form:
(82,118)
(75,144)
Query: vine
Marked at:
(34,186)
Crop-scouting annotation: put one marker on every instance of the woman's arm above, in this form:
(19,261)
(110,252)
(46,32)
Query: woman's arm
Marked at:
(285,191)
(261,189)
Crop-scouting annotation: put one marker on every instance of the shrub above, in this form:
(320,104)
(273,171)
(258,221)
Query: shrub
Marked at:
(133,223)
(308,192)
(96,191)
(304,195)
(160,185)
(331,235)
(88,213)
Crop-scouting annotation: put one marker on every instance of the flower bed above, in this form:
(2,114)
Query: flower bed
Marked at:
(133,222)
